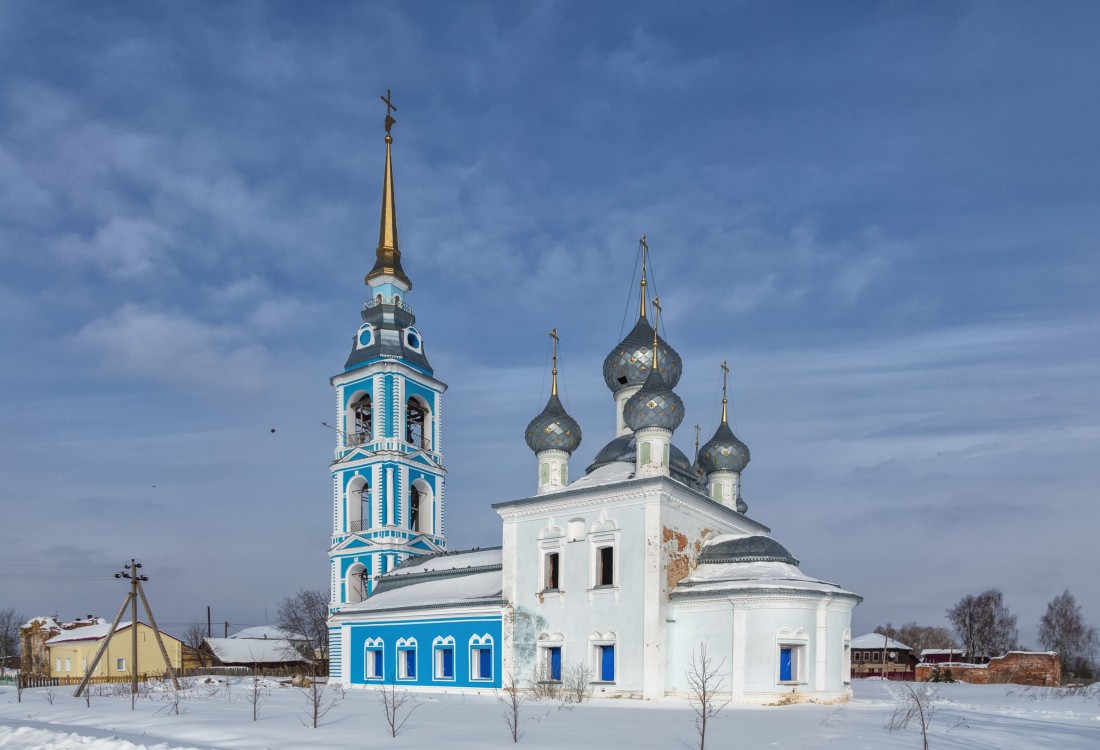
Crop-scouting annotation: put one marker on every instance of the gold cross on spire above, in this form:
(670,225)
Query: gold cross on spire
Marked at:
(389,107)
(725,372)
(698,429)
(645,255)
(554,346)
(656,319)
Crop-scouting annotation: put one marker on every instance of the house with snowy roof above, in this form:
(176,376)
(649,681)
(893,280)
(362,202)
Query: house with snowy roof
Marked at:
(70,652)
(623,574)
(874,654)
(264,653)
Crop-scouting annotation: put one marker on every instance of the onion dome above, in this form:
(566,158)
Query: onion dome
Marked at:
(624,449)
(723,452)
(629,363)
(553,429)
(745,549)
(742,506)
(654,405)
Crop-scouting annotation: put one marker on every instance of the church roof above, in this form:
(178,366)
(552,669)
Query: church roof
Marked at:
(624,449)
(253,650)
(390,337)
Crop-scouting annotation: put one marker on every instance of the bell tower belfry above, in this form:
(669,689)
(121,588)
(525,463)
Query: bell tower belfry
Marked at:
(387,476)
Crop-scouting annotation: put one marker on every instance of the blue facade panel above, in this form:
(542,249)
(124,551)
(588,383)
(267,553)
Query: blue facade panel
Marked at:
(785,665)
(473,663)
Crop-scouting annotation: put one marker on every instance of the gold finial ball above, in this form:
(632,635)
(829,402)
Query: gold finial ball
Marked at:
(389,139)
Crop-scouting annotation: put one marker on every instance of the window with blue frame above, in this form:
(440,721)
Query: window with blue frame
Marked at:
(551,663)
(481,657)
(406,659)
(444,650)
(605,662)
(790,662)
(373,667)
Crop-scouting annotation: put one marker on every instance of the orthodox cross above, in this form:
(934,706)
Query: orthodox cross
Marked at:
(389,106)
(698,429)
(554,346)
(725,372)
(645,254)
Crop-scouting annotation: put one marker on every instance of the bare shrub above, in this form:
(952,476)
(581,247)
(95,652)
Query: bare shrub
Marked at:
(512,698)
(916,706)
(544,690)
(704,678)
(577,683)
(257,693)
(398,704)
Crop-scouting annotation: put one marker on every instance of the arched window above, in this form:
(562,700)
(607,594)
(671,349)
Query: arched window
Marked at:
(415,498)
(358,505)
(362,422)
(417,429)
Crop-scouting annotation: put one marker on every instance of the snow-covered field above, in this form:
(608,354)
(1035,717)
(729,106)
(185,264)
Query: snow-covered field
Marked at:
(966,716)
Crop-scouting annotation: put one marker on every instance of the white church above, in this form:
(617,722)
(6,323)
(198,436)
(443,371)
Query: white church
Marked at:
(622,573)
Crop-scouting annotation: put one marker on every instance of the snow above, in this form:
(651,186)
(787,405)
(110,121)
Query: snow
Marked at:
(617,471)
(751,575)
(86,633)
(876,640)
(267,631)
(451,561)
(214,717)
(253,650)
(453,590)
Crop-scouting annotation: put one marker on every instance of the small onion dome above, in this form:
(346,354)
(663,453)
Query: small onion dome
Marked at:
(654,405)
(553,429)
(742,506)
(745,549)
(723,452)
(629,362)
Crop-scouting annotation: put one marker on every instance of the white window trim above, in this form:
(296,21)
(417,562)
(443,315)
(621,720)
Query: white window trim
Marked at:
(404,645)
(596,541)
(544,661)
(439,645)
(370,646)
(478,642)
(120,664)
(596,648)
(799,666)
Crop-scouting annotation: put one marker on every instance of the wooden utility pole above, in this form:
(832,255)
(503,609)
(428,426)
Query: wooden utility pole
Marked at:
(131,599)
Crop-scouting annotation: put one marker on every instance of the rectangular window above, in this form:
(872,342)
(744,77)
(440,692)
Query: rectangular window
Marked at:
(874,656)
(552,668)
(58,665)
(120,664)
(374,664)
(445,663)
(645,454)
(552,572)
(68,664)
(606,663)
(481,663)
(406,659)
(544,473)
(605,567)
(790,663)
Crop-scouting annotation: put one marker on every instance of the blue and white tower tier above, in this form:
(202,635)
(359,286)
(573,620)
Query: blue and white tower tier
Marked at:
(388,475)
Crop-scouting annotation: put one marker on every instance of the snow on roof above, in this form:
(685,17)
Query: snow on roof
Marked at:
(616,471)
(86,633)
(264,632)
(942,651)
(474,558)
(877,640)
(751,576)
(253,650)
(47,622)
(453,590)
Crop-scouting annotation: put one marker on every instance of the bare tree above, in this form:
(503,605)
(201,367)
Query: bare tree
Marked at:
(512,698)
(704,678)
(193,636)
(306,614)
(321,697)
(984,624)
(258,692)
(10,622)
(918,637)
(398,703)
(1062,628)
(578,682)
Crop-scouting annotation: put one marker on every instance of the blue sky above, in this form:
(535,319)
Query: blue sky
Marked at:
(883,215)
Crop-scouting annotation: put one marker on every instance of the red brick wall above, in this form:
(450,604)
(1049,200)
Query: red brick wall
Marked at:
(1015,667)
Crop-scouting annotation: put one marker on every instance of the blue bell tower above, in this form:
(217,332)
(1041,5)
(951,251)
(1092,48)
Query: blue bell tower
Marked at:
(387,476)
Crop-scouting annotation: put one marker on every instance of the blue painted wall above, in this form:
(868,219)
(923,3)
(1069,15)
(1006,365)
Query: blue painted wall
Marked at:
(462,629)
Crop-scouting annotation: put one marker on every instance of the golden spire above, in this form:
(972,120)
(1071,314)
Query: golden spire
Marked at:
(656,318)
(645,255)
(725,372)
(554,345)
(388,255)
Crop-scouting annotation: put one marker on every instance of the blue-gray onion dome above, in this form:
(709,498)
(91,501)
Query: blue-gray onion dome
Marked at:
(553,429)
(723,452)
(746,549)
(629,362)
(654,405)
